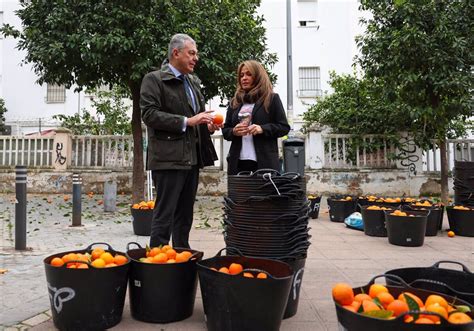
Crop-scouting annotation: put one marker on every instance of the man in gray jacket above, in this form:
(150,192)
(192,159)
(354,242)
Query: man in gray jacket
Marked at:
(179,141)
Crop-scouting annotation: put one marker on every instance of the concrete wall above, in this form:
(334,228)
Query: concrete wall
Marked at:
(385,183)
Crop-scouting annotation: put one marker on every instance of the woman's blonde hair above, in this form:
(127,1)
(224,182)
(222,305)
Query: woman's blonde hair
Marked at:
(261,90)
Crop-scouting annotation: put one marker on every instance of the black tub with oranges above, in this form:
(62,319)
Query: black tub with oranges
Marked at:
(461,221)
(454,282)
(235,302)
(86,299)
(162,293)
(406,229)
(358,322)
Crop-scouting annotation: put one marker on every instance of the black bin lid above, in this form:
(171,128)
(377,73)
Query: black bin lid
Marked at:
(293,142)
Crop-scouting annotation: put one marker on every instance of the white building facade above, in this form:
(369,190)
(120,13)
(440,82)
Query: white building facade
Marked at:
(323,33)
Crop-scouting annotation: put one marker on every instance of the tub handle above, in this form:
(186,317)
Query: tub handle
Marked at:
(228,249)
(89,248)
(464,268)
(133,243)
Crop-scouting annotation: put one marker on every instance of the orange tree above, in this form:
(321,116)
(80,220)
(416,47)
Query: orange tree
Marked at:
(421,53)
(90,43)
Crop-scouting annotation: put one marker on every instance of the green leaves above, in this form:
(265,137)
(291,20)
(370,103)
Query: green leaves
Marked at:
(3,110)
(382,314)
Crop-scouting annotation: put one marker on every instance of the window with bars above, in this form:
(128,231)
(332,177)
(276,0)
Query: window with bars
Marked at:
(55,93)
(309,82)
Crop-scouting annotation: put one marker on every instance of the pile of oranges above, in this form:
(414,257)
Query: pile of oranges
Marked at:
(378,208)
(379,303)
(461,208)
(98,258)
(165,255)
(237,268)
(398,212)
(144,205)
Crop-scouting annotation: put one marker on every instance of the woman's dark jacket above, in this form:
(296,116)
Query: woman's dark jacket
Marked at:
(274,125)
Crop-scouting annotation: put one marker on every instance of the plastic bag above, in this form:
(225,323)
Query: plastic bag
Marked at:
(354,221)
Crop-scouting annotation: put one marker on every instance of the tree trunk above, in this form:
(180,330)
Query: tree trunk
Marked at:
(444,171)
(138,177)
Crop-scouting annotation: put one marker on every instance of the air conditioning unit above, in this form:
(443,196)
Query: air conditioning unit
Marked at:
(7,130)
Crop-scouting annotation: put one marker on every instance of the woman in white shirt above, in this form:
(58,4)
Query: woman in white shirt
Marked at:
(255,120)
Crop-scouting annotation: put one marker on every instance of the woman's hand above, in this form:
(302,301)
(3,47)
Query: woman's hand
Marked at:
(255,129)
(240,130)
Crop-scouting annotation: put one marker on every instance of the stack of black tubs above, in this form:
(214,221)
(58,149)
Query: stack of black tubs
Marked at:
(464,183)
(266,216)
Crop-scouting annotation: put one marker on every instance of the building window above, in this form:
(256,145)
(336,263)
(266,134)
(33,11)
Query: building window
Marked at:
(309,82)
(309,24)
(55,94)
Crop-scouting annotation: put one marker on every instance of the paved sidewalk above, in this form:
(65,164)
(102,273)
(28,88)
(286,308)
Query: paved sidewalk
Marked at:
(336,254)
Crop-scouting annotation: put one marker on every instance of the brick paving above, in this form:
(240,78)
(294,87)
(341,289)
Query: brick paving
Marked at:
(336,254)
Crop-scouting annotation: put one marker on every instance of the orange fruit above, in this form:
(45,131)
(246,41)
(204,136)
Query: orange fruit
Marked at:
(235,268)
(120,259)
(433,298)
(218,119)
(248,275)
(343,294)
(57,262)
(180,257)
(96,253)
(109,265)
(154,251)
(459,318)
(262,275)
(385,298)
(160,258)
(424,320)
(351,308)
(107,257)
(355,304)
(361,297)
(165,248)
(436,308)
(375,289)
(224,270)
(368,305)
(187,254)
(71,266)
(171,261)
(82,266)
(414,297)
(135,206)
(98,263)
(170,253)
(398,307)
(451,234)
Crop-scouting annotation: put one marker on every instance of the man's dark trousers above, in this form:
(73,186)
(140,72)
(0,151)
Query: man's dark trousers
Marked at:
(173,213)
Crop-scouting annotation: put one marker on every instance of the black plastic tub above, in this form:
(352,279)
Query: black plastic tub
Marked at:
(340,209)
(358,322)
(406,230)
(374,221)
(294,297)
(141,221)
(456,283)
(234,302)
(461,221)
(162,293)
(314,205)
(86,299)
(433,220)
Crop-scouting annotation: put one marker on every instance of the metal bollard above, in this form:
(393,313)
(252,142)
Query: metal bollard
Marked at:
(20,208)
(110,196)
(76,199)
